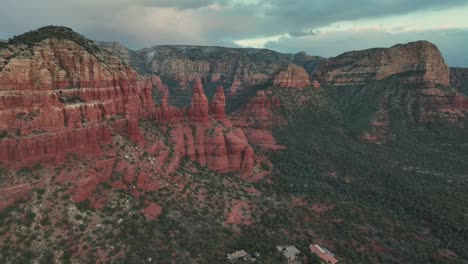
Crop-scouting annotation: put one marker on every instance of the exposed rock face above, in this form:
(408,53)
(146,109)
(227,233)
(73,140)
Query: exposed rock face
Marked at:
(221,148)
(152,211)
(416,62)
(218,104)
(316,84)
(257,119)
(292,77)
(199,107)
(235,68)
(260,109)
(10,195)
(60,97)
(55,145)
(56,95)
(450,105)
(213,64)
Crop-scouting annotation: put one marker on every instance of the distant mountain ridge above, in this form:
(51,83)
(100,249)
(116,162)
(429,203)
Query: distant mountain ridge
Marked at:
(415,62)
(236,68)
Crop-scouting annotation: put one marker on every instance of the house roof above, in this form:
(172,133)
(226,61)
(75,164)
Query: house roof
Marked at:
(323,253)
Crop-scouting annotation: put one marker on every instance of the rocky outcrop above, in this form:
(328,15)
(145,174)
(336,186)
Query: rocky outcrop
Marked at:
(218,104)
(54,146)
(315,84)
(217,145)
(258,117)
(152,211)
(235,68)
(199,107)
(220,147)
(213,64)
(417,62)
(56,94)
(10,195)
(292,76)
(260,110)
(61,94)
(436,104)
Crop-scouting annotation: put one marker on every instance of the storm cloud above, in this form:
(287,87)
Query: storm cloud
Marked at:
(319,27)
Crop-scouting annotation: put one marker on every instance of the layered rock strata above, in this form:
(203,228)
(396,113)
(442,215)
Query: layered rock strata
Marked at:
(292,76)
(415,62)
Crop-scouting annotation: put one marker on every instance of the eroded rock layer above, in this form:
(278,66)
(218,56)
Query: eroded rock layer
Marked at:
(57,93)
(292,76)
(61,94)
(416,62)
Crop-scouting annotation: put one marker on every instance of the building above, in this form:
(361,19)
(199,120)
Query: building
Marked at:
(324,254)
(241,256)
(290,252)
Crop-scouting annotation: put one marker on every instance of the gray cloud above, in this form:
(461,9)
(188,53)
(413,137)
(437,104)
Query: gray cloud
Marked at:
(141,23)
(181,4)
(301,33)
(452,43)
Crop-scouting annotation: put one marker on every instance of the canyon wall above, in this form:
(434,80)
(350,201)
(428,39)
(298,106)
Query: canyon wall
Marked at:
(292,76)
(415,62)
(61,94)
(237,69)
(419,65)
(56,96)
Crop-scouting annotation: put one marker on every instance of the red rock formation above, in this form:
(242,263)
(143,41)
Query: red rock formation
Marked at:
(213,147)
(259,111)
(218,104)
(416,62)
(67,100)
(56,100)
(235,86)
(316,84)
(129,128)
(292,77)
(152,211)
(215,150)
(237,215)
(158,83)
(240,153)
(460,102)
(55,145)
(10,195)
(199,106)
(257,119)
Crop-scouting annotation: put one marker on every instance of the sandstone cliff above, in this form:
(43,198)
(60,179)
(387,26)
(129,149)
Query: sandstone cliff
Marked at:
(258,118)
(416,62)
(236,69)
(218,104)
(61,94)
(292,76)
(199,108)
(57,89)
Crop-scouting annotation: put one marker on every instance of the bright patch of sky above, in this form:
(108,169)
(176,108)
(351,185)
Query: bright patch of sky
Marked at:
(428,20)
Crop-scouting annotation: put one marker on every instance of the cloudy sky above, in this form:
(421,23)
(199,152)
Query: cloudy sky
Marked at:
(318,27)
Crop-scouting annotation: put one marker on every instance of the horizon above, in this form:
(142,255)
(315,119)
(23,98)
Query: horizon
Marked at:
(320,28)
(217,46)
